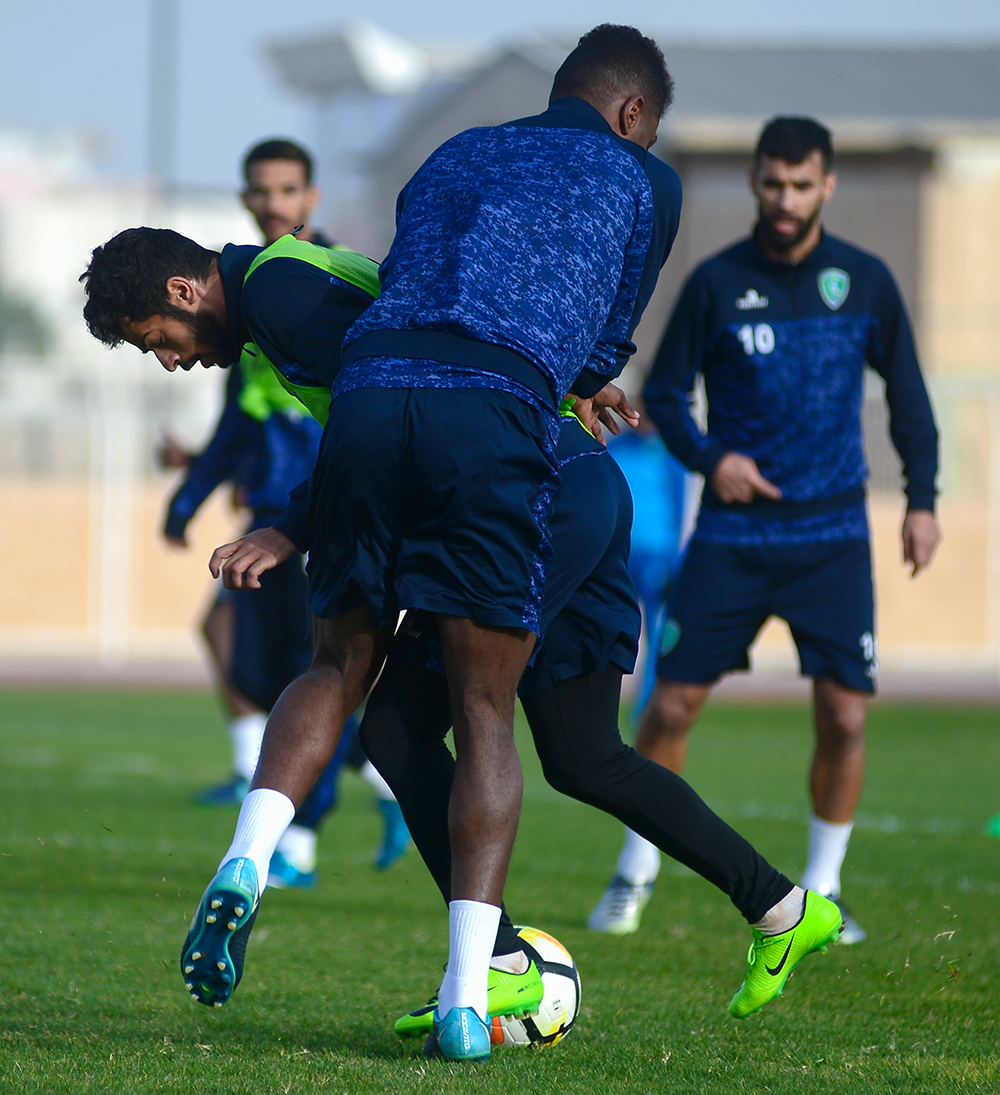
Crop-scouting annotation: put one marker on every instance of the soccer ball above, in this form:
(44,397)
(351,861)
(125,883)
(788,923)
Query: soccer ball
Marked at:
(560,1002)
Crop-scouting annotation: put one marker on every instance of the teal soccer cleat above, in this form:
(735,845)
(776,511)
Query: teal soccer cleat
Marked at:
(215,948)
(230,793)
(281,875)
(460,1036)
(395,837)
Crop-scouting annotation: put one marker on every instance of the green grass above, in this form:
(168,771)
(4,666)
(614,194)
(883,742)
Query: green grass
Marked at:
(103,861)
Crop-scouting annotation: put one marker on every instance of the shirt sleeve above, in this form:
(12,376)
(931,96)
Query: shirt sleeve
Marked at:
(671,381)
(891,352)
(220,461)
(296,520)
(644,260)
(298,314)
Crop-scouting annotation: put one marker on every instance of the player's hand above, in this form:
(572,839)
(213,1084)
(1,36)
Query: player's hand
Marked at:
(737,479)
(242,562)
(921,536)
(597,410)
(172,455)
(176,541)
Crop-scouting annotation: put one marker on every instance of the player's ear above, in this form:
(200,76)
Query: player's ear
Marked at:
(628,116)
(245,198)
(313,195)
(182,292)
(829,185)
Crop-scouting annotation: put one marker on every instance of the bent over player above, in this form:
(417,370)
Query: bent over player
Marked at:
(781,326)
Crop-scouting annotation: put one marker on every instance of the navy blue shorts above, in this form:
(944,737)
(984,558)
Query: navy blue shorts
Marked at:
(590,615)
(726,592)
(436,499)
(272,640)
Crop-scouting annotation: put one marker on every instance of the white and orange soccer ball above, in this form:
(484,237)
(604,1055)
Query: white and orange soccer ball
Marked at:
(560,1002)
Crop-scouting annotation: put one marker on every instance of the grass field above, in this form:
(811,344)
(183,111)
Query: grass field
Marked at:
(103,861)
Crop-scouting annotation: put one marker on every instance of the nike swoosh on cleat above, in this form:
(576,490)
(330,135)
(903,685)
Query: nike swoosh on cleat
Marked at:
(781,965)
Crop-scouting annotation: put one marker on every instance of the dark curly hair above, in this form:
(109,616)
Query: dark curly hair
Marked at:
(127,278)
(613,60)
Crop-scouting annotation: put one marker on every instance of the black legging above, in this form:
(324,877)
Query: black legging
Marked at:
(575,728)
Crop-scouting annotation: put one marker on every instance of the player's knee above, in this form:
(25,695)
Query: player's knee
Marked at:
(841,719)
(672,709)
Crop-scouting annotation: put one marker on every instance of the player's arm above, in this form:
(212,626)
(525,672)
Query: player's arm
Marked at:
(733,476)
(218,462)
(891,352)
(645,255)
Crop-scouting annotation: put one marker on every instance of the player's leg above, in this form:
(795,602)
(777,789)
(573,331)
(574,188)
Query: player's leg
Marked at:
(719,603)
(246,719)
(662,736)
(406,720)
(302,734)
(575,727)
(294,861)
(483,666)
(828,602)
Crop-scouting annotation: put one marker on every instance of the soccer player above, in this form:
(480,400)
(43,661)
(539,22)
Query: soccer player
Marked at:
(571,696)
(781,326)
(460,511)
(279,191)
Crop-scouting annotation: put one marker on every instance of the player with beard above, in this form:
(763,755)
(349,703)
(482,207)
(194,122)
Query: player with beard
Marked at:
(781,326)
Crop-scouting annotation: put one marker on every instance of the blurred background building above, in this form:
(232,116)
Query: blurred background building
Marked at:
(917,131)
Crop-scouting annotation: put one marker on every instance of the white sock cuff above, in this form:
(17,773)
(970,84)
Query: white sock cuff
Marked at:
(833,828)
(472,930)
(264,817)
(639,861)
(246,732)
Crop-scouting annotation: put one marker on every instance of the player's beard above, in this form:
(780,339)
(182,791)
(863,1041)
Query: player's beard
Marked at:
(777,241)
(214,337)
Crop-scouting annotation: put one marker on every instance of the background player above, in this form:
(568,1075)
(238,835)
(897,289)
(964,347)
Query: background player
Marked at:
(781,326)
(282,197)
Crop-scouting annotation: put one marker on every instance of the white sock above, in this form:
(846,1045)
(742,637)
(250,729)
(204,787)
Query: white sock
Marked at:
(786,914)
(246,733)
(516,962)
(371,775)
(472,931)
(639,862)
(827,848)
(264,816)
(298,846)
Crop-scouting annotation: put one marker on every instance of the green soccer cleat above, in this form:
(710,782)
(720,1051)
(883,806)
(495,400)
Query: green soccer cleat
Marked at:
(773,957)
(510,995)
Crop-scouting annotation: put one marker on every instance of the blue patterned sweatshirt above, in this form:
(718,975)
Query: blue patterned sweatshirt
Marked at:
(782,349)
(532,245)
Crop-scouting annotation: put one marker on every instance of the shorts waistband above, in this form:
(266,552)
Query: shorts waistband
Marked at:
(454,350)
(788,511)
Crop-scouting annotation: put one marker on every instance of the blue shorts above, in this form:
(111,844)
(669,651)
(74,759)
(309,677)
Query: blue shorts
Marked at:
(435,499)
(272,639)
(590,614)
(726,592)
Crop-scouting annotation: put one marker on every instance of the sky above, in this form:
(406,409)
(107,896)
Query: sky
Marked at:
(85,66)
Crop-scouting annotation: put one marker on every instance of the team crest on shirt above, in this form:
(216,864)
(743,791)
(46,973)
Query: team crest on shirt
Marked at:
(671,633)
(751,299)
(834,285)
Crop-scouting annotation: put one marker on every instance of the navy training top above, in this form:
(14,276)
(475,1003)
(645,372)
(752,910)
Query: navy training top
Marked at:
(298,315)
(782,349)
(543,237)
